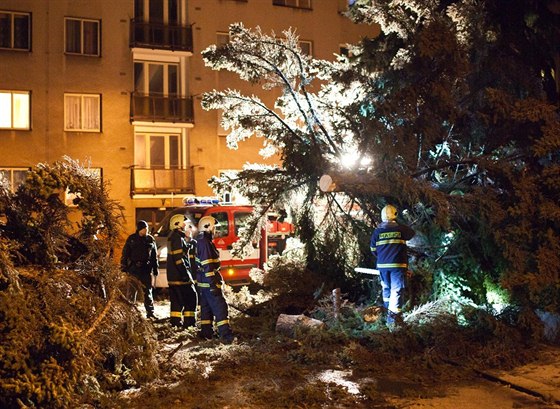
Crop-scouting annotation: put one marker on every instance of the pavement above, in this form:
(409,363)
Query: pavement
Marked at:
(540,378)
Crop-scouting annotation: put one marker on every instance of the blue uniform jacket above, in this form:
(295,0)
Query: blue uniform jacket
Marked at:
(388,244)
(209,261)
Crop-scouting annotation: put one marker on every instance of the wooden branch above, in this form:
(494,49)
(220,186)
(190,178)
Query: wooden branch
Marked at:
(345,182)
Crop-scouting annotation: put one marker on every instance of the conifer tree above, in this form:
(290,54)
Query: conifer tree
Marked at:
(451,114)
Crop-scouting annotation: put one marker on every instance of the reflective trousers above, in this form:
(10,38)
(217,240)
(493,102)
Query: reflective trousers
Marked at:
(393,284)
(213,307)
(183,300)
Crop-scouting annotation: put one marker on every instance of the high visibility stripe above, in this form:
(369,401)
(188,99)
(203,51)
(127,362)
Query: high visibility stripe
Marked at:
(180,282)
(188,313)
(393,265)
(390,241)
(373,249)
(175,314)
(204,285)
(210,274)
(386,299)
(205,322)
(210,260)
(176,251)
(180,261)
(224,322)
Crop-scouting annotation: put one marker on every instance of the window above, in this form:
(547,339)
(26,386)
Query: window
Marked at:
(158,11)
(151,78)
(15,31)
(14,176)
(300,4)
(82,36)
(15,109)
(157,151)
(222,38)
(222,227)
(82,112)
(306,47)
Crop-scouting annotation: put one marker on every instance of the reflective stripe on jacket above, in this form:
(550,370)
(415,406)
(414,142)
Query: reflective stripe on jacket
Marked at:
(388,244)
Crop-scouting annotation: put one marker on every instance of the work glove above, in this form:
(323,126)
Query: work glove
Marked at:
(155,272)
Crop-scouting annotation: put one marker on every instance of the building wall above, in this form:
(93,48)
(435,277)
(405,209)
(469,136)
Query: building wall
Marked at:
(49,73)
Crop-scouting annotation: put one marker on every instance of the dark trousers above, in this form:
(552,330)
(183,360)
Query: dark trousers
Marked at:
(183,300)
(213,306)
(146,280)
(393,284)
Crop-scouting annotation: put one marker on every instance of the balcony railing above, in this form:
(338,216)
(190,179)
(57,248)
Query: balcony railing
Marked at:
(159,108)
(161,181)
(160,36)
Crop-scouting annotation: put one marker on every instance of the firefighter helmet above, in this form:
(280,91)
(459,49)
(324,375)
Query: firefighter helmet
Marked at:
(389,213)
(175,220)
(207,223)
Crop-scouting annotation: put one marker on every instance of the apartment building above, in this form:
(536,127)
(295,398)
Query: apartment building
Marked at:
(117,84)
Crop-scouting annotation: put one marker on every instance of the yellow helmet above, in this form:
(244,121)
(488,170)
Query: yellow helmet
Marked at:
(389,213)
(175,220)
(207,223)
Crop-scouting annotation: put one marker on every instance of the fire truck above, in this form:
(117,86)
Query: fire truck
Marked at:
(231,220)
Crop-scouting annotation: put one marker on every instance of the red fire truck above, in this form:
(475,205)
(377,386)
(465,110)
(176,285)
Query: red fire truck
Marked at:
(231,219)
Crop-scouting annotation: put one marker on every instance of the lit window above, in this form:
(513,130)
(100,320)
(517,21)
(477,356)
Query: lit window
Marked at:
(15,109)
(82,36)
(82,112)
(300,4)
(306,47)
(14,176)
(15,31)
(157,151)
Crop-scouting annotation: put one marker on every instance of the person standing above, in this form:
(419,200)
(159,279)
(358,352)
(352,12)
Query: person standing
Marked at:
(181,268)
(139,258)
(388,245)
(213,306)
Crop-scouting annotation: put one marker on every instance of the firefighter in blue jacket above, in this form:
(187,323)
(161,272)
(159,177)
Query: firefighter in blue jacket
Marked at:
(388,245)
(181,268)
(213,306)
(139,258)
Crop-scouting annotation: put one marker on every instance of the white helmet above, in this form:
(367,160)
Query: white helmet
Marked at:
(175,220)
(207,223)
(389,213)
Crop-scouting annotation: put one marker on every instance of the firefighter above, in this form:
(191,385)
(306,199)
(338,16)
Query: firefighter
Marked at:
(213,305)
(180,272)
(139,258)
(388,245)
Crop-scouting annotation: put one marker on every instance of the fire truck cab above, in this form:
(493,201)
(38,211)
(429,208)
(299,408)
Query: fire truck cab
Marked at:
(231,220)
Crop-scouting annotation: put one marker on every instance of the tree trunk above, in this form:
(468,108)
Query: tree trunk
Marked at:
(286,324)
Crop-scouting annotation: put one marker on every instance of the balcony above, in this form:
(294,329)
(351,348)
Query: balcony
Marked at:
(161,181)
(160,108)
(160,36)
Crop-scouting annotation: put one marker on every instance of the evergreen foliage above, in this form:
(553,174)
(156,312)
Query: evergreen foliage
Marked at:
(451,114)
(68,334)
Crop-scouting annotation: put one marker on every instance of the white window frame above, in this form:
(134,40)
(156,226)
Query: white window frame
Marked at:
(13,34)
(13,105)
(146,148)
(166,65)
(298,4)
(82,21)
(81,126)
(11,179)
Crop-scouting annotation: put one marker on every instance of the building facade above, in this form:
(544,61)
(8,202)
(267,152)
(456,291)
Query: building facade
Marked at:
(117,84)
